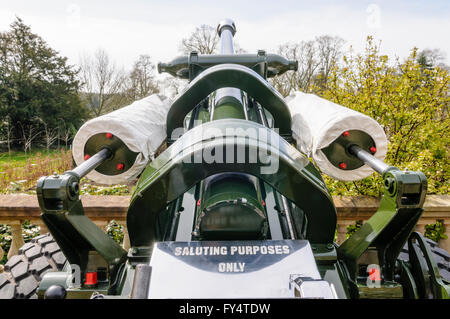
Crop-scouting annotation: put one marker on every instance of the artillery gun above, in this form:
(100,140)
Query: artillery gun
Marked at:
(233,208)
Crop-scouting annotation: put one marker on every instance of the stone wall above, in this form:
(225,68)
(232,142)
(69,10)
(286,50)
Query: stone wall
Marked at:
(17,208)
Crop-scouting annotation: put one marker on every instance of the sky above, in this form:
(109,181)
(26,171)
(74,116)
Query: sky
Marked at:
(126,29)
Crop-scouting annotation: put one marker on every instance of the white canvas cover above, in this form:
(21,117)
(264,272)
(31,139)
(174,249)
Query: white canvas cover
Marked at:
(141,126)
(317,122)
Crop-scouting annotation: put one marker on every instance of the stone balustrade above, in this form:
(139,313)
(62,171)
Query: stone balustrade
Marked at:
(17,208)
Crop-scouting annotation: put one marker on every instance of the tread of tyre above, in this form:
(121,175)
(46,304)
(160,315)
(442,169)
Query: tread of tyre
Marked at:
(441,256)
(23,272)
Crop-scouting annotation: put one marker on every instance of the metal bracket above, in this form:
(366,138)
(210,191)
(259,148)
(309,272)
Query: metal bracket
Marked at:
(230,75)
(389,228)
(75,233)
(425,270)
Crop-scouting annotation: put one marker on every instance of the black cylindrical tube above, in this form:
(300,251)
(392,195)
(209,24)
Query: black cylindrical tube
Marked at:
(376,164)
(92,163)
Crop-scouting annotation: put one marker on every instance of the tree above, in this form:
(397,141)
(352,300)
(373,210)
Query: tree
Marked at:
(410,102)
(29,133)
(102,83)
(6,130)
(315,60)
(51,134)
(67,131)
(429,58)
(204,40)
(35,81)
(305,53)
(141,82)
(329,53)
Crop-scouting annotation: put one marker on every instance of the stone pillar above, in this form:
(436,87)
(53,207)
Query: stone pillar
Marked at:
(2,253)
(342,231)
(126,238)
(420,228)
(17,238)
(445,243)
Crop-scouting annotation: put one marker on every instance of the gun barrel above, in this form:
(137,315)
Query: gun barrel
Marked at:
(226,30)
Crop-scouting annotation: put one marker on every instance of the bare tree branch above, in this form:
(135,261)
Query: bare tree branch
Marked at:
(103,83)
(204,40)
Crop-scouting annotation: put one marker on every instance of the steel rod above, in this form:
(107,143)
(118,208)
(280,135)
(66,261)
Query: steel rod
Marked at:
(376,164)
(93,162)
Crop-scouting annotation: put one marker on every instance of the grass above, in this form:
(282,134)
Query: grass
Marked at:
(18,156)
(19,172)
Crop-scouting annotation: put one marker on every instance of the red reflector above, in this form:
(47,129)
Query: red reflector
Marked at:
(91,278)
(86,157)
(373,149)
(108,135)
(198,202)
(343,165)
(346,133)
(374,274)
(120,166)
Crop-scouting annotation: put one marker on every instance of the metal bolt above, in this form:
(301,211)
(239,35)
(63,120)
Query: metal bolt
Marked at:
(330,246)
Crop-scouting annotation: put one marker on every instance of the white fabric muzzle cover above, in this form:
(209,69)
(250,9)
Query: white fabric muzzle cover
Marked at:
(317,122)
(141,126)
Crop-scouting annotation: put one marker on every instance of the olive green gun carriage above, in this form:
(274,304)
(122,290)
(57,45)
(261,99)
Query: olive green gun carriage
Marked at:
(202,228)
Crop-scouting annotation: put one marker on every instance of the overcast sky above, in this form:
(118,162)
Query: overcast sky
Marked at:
(126,29)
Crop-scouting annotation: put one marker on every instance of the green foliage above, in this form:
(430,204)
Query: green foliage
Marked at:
(351,229)
(115,231)
(91,189)
(38,89)
(410,101)
(5,240)
(435,231)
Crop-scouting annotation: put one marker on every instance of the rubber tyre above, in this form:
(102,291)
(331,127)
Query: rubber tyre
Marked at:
(23,272)
(441,256)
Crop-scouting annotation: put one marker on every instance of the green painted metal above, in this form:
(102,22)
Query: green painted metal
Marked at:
(231,108)
(231,208)
(230,75)
(430,273)
(390,227)
(266,65)
(75,233)
(173,173)
(182,175)
(410,290)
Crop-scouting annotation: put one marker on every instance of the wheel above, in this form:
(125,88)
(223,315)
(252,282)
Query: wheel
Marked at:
(23,272)
(441,256)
